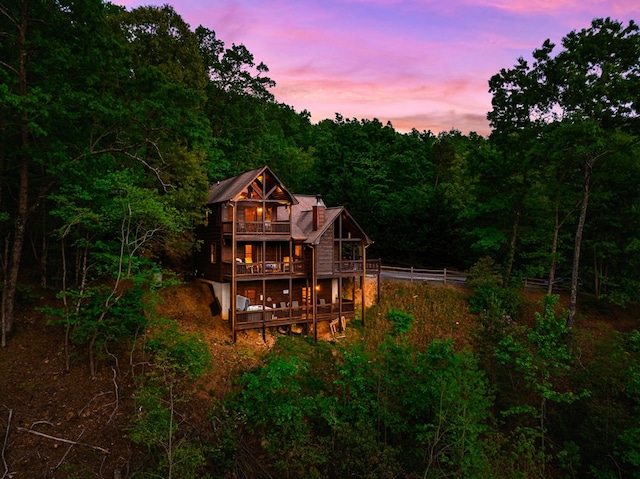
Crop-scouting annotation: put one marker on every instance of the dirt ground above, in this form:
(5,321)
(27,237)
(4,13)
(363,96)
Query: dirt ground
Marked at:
(57,424)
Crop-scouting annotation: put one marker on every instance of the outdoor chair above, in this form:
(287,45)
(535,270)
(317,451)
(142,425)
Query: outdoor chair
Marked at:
(251,267)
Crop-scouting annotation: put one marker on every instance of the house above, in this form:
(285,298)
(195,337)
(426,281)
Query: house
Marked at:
(275,259)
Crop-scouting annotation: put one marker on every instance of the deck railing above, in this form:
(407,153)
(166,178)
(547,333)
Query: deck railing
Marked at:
(268,267)
(289,315)
(355,266)
(258,227)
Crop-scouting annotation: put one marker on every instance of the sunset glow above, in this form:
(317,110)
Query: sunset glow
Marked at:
(422,64)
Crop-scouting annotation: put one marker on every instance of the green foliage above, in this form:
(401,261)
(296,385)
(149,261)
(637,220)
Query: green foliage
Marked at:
(119,150)
(541,356)
(497,307)
(122,321)
(484,272)
(176,360)
(375,414)
(401,321)
(185,353)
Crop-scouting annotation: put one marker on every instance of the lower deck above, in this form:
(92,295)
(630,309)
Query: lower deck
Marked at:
(284,315)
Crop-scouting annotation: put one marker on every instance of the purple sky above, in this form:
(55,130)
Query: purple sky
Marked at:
(420,64)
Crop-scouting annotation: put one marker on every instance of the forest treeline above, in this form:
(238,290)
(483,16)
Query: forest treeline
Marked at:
(113,123)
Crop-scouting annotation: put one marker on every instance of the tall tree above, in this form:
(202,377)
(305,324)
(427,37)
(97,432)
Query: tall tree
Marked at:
(238,105)
(52,70)
(89,87)
(587,95)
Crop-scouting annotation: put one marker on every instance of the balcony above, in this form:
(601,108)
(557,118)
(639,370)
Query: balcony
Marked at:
(257,316)
(266,268)
(258,227)
(355,266)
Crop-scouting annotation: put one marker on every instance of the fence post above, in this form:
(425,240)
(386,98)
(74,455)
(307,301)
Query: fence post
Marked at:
(444,276)
(412,275)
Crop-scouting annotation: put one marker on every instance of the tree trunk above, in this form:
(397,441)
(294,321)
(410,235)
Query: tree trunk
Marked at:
(15,254)
(552,266)
(512,245)
(15,248)
(573,301)
(554,251)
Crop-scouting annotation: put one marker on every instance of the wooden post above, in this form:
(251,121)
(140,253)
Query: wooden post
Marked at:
(444,276)
(339,297)
(233,289)
(378,279)
(314,283)
(364,282)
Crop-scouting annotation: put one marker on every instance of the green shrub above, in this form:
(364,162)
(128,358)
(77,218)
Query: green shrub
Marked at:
(176,360)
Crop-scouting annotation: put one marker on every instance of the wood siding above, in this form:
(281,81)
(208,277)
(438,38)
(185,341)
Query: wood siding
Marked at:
(253,215)
(325,253)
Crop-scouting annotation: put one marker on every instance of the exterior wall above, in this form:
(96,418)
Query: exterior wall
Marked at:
(223,293)
(210,234)
(324,253)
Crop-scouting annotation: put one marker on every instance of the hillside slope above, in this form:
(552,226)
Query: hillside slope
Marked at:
(64,424)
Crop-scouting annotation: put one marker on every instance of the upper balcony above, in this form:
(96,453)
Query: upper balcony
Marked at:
(257,218)
(356,266)
(258,227)
(264,269)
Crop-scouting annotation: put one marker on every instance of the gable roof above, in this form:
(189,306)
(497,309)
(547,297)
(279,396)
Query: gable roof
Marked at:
(302,220)
(231,188)
(330,216)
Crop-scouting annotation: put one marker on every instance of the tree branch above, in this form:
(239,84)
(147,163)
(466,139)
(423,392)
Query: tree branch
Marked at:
(60,439)
(4,445)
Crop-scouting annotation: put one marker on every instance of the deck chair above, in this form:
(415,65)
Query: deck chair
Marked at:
(252,268)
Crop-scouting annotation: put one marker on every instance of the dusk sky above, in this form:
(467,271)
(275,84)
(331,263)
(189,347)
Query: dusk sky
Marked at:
(422,64)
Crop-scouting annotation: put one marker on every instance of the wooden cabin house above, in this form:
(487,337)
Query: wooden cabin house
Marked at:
(276,259)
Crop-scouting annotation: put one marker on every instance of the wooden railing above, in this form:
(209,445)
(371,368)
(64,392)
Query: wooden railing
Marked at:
(288,315)
(421,274)
(394,273)
(349,266)
(267,267)
(258,227)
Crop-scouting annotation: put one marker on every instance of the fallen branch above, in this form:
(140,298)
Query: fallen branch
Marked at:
(68,450)
(4,444)
(115,386)
(60,439)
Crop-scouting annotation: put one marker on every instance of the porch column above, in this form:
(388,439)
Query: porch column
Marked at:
(314,283)
(364,282)
(233,289)
(340,297)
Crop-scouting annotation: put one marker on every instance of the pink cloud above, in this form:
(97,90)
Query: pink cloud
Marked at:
(425,61)
(618,7)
